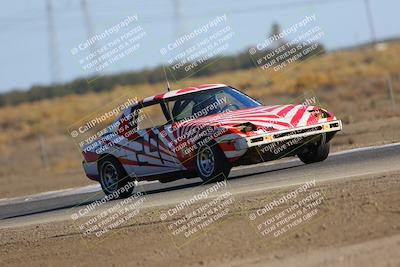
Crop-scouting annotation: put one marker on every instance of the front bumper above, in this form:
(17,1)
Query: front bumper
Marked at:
(295,133)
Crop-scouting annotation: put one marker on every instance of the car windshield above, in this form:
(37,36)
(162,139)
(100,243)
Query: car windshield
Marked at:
(209,102)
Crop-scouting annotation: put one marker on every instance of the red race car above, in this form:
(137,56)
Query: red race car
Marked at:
(203,132)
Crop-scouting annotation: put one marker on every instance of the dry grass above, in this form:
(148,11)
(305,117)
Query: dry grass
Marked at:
(352,84)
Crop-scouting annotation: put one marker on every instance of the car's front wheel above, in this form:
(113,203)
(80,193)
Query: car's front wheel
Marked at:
(315,152)
(114,179)
(211,163)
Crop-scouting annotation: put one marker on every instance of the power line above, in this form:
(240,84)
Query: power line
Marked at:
(89,27)
(370,20)
(283,5)
(55,67)
(178,18)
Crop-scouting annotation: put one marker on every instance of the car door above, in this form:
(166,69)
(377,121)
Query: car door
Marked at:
(150,151)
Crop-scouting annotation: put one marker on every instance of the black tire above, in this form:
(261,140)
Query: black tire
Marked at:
(220,168)
(113,178)
(315,153)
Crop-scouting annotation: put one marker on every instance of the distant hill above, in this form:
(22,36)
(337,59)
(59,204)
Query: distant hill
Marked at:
(108,82)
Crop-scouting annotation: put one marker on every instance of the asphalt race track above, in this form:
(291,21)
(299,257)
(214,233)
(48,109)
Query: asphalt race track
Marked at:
(60,205)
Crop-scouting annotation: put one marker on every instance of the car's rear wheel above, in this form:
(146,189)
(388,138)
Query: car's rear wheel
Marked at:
(211,163)
(315,152)
(113,178)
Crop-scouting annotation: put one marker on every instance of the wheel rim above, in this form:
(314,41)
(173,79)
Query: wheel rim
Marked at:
(206,161)
(109,176)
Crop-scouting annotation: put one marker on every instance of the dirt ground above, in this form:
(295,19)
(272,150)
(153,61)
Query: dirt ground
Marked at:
(37,154)
(24,181)
(359,225)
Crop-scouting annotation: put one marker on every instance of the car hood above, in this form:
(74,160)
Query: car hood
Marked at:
(266,118)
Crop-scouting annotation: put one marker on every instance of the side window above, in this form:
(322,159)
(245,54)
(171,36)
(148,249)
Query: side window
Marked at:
(181,109)
(151,116)
(126,124)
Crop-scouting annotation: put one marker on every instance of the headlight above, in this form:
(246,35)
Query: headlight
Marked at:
(246,127)
(319,113)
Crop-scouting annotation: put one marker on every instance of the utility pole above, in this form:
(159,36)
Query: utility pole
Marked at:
(55,67)
(43,153)
(89,29)
(178,18)
(370,20)
(391,94)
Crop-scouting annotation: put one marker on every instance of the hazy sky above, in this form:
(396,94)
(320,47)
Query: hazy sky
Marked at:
(24,35)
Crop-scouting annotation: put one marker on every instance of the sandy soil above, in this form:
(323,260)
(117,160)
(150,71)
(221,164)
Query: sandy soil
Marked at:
(359,225)
(363,105)
(34,179)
